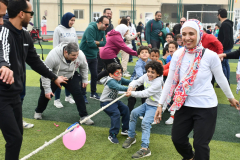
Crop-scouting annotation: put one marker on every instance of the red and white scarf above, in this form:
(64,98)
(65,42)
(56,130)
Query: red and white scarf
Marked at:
(181,89)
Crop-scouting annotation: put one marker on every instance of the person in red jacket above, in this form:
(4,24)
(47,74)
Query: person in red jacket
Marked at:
(211,42)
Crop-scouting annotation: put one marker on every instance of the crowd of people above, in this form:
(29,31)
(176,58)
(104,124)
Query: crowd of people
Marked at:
(181,80)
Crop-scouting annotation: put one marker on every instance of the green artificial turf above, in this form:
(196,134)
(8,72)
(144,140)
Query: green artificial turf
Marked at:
(223,146)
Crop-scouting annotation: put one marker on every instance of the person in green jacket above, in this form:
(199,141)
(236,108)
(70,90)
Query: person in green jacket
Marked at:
(93,37)
(153,31)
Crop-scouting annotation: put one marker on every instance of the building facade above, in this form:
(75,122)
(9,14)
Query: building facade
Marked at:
(145,10)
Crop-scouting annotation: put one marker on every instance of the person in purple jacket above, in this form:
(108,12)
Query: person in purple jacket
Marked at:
(114,44)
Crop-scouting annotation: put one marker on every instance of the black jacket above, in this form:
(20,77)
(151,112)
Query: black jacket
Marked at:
(225,35)
(233,55)
(16,48)
(139,29)
(110,27)
(176,29)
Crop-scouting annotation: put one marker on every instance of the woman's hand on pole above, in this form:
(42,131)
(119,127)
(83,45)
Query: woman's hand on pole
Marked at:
(234,103)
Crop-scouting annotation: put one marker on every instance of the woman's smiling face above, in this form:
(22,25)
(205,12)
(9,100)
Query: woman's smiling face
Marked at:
(189,37)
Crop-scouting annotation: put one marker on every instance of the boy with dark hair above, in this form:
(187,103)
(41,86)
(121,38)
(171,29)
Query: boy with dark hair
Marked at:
(209,30)
(154,55)
(165,55)
(172,47)
(113,84)
(179,41)
(139,70)
(169,38)
(153,83)
(216,30)
(167,28)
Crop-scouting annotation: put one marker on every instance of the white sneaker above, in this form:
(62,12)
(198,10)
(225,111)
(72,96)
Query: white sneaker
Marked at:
(126,74)
(87,122)
(27,125)
(38,116)
(238,135)
(154,123)
(69,99)
(169,121)
(58,104)
(140,117)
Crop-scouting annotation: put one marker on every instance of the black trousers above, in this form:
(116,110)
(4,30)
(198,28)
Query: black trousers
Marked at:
(140,38)
(11,125)
(132,100)
(100,64)
(73,86)
(106,62)
(202,121)
(155,44)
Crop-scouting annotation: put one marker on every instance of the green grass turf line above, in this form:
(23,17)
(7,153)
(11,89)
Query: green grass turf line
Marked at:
(98,147)
(45,51)
(226,128)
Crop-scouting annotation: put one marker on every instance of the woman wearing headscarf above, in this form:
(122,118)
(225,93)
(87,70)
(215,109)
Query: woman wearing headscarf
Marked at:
(114,44)
(194,98)
(65,32)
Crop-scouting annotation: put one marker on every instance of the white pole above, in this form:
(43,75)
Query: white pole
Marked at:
(62,134)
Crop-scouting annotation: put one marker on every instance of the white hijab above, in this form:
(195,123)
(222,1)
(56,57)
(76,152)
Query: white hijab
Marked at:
(193,25)
(122,29)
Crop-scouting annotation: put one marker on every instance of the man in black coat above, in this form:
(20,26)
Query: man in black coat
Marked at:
(225,36)
(177,27)
(16,48)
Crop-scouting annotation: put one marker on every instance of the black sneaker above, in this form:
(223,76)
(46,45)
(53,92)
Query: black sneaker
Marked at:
(125,133)
(113,138)
(94,96)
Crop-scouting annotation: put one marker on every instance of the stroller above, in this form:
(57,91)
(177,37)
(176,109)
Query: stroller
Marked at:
(35,37)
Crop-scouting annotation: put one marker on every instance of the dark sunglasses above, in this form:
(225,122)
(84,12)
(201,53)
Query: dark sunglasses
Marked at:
(106,24)
(182,21)
(32,13)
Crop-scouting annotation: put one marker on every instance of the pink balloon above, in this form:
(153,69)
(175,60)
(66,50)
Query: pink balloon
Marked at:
(75,139)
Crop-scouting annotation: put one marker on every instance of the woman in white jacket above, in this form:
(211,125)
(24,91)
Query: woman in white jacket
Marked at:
(64,32)
(194,98)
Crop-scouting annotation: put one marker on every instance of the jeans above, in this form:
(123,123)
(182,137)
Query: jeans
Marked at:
(74,87)
(148,112)
(58,93)
(114,111)
(155,44)
(92,65)
(225,66)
